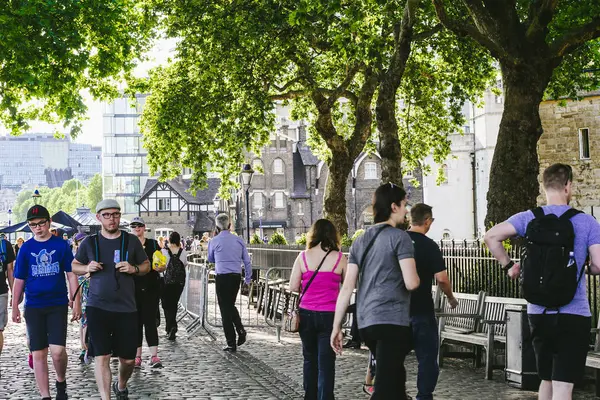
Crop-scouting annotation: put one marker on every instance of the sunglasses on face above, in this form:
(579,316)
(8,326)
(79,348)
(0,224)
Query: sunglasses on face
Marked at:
(38,225)
(135,226)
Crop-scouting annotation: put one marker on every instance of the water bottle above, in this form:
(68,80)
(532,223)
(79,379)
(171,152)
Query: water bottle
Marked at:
(571,259)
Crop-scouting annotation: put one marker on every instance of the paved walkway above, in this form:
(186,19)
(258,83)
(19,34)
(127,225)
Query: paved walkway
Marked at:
(262,369)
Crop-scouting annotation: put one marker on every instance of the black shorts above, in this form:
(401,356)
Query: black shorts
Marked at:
(112,333)
(561,343)
(45,326)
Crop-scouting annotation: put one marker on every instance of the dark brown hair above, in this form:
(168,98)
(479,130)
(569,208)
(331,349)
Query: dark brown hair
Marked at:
(323,232)
(557,176)
(384,197)
(175,239)
(419,213)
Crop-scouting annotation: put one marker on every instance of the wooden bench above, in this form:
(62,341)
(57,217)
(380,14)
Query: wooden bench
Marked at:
(459,324)
(593,357)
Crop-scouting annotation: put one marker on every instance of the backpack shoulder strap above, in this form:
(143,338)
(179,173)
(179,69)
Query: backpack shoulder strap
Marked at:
(362,260)
(179,252)
(96,240)
(169,251)
(538,212)
(570,213)
(124,245)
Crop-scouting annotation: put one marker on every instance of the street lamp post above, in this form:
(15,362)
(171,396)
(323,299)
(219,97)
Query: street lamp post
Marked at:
(36,196)
(216,202)
(247,173)
(9,214)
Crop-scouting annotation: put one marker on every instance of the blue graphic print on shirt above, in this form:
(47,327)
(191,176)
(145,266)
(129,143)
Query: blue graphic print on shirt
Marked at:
(42,265)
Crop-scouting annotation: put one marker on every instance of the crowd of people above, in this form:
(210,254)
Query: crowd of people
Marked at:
(388,273)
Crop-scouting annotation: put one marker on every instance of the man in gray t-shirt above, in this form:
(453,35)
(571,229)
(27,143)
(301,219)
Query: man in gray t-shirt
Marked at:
(382,296)
(112,258)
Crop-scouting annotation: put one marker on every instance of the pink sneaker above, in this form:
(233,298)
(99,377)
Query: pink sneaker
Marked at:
(155,362)
(30,360)
(138,362)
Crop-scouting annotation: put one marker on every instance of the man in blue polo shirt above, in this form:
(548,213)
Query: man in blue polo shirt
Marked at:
(40,270)
(228,252)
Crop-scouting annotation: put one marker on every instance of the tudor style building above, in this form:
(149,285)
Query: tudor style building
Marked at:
(169,205)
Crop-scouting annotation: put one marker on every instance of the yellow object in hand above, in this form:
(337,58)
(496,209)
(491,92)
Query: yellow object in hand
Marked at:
(159,261)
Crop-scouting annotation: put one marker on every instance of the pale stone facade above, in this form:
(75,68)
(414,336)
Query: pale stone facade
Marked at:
(572,136)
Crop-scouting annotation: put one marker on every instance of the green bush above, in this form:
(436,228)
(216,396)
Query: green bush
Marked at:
(301,240)
(277,238)
(357,234)
(255,239)
(346,240)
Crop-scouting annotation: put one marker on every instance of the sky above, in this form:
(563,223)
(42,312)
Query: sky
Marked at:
(92,127)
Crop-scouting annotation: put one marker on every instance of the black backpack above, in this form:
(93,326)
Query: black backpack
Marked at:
(548,268)
(175,272)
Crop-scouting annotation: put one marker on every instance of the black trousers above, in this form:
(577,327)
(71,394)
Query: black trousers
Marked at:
(389,344)
(228,286)
(147,305)
(354,331)
(170,300)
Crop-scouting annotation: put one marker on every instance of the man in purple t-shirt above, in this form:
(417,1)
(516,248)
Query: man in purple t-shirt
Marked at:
(560,337)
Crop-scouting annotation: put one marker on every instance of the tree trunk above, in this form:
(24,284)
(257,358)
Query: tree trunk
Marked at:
(389,143)
(515,167)
(334,201)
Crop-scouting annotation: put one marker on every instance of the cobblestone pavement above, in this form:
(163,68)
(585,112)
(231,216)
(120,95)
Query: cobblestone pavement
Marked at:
(261,369)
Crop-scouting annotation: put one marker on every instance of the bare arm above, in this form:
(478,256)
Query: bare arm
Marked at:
(19,284)
(494,238)
(342,305)
(409,273)
(144,268)
(444,283)
(296,277)
(79,268)
(10,273)
(594,267)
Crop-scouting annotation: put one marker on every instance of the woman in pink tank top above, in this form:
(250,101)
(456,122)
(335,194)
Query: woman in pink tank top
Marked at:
(317,306)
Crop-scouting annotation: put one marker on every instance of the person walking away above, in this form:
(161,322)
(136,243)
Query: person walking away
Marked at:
(559,240)
(7,258)
(228,252)
(18,245)
(317,274)
(384,258)
(147,297)
(40,273)
(112,258)
(175,274)
(430,264)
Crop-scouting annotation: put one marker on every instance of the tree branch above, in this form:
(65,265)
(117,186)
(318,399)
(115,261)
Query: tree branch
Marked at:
(428,33)
(572,40)
(540,14)
(286,86)
(464,28)
(342,88)
(292,94)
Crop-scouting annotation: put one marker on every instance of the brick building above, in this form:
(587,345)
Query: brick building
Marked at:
(287,189)
(572,136)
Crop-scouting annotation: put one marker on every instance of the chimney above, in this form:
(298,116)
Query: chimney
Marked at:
(302,133)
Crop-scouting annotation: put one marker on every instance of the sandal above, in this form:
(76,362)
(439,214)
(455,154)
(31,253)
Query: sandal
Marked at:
(368,388)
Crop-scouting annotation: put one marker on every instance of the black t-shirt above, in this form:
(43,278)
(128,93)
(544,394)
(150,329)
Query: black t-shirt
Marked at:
(7,255)
(150,281)
(429,260)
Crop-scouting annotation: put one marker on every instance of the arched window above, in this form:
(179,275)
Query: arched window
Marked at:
(257,166)
(279,200)
(278,166)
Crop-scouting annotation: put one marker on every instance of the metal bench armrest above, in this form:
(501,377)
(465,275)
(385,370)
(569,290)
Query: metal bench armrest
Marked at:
(493,322)
(458,315)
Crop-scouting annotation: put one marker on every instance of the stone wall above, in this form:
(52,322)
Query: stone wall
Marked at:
(174,221)
(561,143)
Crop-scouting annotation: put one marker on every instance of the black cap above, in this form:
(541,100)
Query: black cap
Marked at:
(37,212)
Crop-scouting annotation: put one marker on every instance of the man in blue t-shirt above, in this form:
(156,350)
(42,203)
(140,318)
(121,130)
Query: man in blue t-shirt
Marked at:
(560,336)
(40,271)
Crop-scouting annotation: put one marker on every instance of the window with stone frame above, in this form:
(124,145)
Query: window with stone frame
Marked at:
(279,200)
(257,200)
(370,170)
(278,166)
(164,204)
(300,209)
(584,143)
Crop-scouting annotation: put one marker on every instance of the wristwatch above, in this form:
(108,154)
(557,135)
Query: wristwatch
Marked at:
(509,265)
(137,269)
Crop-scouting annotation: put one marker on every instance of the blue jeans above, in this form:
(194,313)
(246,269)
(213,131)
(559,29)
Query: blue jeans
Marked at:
(319,358)
(426,343)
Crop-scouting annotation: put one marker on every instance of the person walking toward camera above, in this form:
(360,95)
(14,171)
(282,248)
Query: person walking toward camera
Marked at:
(387,275)
(317,274)
(40,272)
(174,282)
(228,252)
(559,240)
(112,258)
(430,264)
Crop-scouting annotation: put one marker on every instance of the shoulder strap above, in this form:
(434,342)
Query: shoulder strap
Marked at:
(169,251)
(362,260)
(304,260)
(338,261)
(570,213)
(96,239)
(124,246)
(312,278)
(179,252)
(538,212)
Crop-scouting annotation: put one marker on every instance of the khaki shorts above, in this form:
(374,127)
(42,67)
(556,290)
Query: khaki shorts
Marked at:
(3,311)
